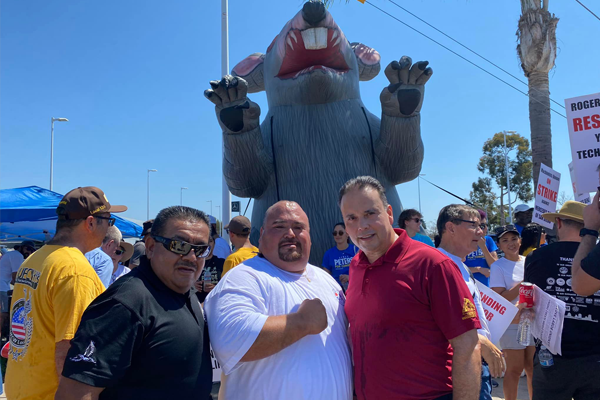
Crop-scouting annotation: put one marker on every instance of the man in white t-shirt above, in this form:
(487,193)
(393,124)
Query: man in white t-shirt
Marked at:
(459,227)
(277,324)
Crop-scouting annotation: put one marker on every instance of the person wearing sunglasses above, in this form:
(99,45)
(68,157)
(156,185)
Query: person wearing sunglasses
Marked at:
(410,220)
(146,336)
(121,256)
(101,258)
(460,233)
(479,261)
(277,323)
(52,290)
(337,259)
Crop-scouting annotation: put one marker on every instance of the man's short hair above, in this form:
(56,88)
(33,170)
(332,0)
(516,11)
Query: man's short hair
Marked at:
(63,225)
(362,182)
(406,215)
(572,223)
(113,233)
(452,213)
(177,213)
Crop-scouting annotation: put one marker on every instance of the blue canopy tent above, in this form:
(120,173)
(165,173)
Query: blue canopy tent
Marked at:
(30,213)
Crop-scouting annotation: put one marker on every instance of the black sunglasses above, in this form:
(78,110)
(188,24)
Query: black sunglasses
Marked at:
(417,220)
(111,221)
(119,252)
(341,233)
(473,223)
(483,226)
(183,248)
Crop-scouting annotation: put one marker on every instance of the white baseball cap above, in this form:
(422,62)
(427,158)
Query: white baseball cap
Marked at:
(522,208)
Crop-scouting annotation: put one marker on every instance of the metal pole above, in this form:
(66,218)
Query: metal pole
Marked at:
(51,152)
(181,196)
(510,216)
(210,201)
(148,199)
(419,183)
(226,196)
(220,227)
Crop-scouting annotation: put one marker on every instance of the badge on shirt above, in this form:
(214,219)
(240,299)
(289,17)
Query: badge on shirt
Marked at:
(469,310)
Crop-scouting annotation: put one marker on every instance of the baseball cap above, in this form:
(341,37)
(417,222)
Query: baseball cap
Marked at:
(147,227)
(522,208)
(82,202)
(239,225)
(501,230)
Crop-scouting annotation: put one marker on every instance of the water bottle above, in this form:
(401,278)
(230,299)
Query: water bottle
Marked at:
(207,277)
(545,357)
(524,337)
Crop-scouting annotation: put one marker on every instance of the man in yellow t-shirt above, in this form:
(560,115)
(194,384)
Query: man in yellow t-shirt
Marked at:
(239,234)
(52,289)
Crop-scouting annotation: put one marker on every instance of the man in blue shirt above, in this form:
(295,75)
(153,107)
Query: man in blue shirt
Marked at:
(410,220)
(479,261)
(101,257)
(522,216)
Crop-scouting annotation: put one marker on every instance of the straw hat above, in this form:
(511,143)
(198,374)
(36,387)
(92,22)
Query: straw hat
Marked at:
(570,210)
(128,247)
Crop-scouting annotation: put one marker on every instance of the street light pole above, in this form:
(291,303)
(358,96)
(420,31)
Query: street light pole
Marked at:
(221,227)
(510,216)
(148,205)
(52,146)
(225,195)
(181,195)
(210,201)
(419,183)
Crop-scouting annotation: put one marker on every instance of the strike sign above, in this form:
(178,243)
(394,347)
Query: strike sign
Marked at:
(545,195)
(583,117)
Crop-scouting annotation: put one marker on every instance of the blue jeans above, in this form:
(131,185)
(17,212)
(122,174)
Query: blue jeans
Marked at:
(486,382)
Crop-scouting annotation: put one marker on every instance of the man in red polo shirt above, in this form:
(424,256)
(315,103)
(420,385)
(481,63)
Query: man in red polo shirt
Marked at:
(413,323)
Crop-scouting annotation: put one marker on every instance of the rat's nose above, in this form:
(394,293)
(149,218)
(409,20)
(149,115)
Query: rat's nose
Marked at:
(313,12)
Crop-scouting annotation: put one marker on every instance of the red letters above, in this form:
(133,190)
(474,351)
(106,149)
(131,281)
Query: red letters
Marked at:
(587,122)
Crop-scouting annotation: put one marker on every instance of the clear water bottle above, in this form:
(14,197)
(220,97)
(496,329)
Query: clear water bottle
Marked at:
(524,337)
(207,277)
(545,357)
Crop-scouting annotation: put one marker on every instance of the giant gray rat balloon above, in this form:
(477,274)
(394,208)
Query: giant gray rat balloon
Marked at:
(317,133)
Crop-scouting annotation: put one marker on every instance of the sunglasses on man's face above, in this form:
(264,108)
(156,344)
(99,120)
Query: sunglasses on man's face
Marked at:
(341,233)
(417,220)
(111,221)
(183,248)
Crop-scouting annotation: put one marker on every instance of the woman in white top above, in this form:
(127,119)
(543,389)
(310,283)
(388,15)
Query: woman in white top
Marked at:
(506,276)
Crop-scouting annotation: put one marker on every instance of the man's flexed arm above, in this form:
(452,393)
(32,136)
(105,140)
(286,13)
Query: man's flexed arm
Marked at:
(466,366)
(282,331)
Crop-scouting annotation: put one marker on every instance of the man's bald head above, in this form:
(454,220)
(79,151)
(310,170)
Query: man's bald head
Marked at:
(284,236)
(282,207)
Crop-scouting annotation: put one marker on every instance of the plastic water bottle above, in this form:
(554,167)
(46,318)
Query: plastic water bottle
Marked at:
(545,357)
(524,337)
(207,276)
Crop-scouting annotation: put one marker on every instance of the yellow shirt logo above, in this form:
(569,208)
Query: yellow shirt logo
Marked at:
(468,310)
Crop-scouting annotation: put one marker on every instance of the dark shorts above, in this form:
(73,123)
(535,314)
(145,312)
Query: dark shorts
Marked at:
(575,378)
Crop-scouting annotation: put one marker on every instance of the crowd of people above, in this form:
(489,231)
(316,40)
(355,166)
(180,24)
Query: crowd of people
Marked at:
(390,314)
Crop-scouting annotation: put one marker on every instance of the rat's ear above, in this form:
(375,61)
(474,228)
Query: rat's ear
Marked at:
(368,61)
(251,69)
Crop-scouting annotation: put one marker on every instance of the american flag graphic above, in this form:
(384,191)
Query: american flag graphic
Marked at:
(18,324)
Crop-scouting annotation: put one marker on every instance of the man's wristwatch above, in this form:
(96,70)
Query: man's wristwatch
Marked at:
(586,231)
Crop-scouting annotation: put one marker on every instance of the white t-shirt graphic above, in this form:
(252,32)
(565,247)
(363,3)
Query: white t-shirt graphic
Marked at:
(314,368)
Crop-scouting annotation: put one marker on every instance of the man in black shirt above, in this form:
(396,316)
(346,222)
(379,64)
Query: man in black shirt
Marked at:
(586,266)
(214,266)
(575,374)
(146,337)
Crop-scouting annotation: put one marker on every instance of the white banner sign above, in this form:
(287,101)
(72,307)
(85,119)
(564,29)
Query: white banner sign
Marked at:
(583,118)
(545,195)
(216,367)
(499,312)
(549,319)
(580,197)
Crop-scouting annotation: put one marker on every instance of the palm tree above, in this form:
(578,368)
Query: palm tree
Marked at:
(537,51)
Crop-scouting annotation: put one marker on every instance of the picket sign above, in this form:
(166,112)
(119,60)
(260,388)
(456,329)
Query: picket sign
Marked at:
(499,312)
(583,119)
(546,195)
(579,196)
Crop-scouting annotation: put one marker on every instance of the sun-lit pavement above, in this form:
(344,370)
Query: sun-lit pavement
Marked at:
(497,393)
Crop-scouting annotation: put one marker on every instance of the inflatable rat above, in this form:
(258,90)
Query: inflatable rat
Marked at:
(317,133)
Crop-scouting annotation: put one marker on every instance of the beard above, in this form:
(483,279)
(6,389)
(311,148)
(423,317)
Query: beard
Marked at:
(290,255)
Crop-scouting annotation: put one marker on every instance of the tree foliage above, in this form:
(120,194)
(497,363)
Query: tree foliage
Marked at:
(484,197)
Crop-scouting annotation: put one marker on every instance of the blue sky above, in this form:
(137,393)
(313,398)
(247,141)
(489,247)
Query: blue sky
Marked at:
(130,77)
